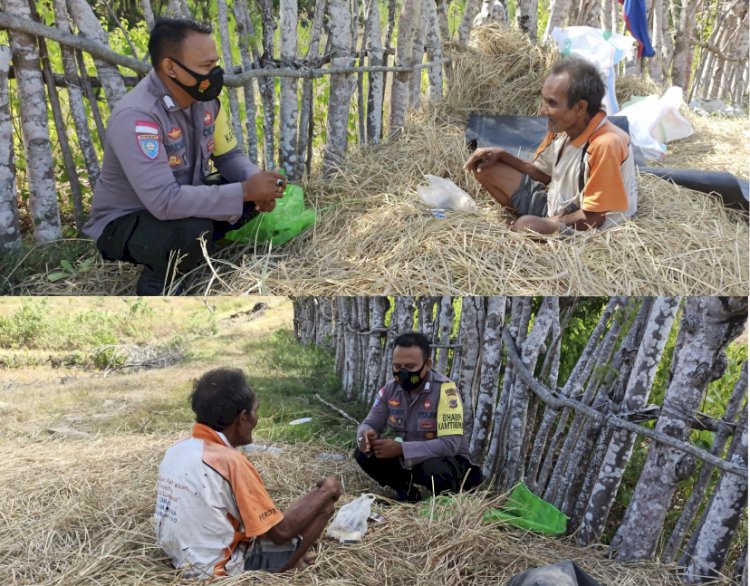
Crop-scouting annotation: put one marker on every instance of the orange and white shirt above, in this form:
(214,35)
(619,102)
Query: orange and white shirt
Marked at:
(211,503)
(594,172)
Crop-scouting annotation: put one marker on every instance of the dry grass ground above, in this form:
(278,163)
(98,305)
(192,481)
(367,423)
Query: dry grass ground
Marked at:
(81,452)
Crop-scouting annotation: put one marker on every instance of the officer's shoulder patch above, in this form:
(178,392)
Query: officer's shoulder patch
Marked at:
(147,136)
(378,396)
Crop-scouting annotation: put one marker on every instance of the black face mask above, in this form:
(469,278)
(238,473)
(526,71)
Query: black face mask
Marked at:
(207,86)
(409,379)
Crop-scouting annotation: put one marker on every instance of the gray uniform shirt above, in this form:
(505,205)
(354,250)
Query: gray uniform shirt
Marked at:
(155,157)
(429,423)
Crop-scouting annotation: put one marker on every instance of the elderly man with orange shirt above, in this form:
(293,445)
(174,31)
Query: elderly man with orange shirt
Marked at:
(213,514)
(583,173)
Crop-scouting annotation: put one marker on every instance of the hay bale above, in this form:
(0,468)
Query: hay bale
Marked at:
(90,523)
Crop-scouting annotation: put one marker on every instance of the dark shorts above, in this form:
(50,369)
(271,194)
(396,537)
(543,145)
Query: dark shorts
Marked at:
(530,199)
(265,555)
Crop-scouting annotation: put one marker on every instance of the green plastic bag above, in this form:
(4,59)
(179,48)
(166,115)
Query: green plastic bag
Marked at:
(522,509)
(526,510)
(286,221)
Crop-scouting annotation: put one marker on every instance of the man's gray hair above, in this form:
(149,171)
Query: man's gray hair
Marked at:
(585,82)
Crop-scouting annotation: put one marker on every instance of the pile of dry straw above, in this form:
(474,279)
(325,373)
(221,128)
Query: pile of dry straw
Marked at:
(78,512)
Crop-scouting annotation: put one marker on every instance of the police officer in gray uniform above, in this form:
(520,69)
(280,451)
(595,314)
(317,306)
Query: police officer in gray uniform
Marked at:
(414,433)
(153,201)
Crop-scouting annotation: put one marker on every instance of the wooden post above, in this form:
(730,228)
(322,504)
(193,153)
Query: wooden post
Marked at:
(90,96)
(304,140)
(709,323)
(490,360)
(464,29)
(245,33)
(621,446)
(417,54)
(76,194)
(725,512)
(341,85)
(698,490)
(288,102)
(408,22)
(466,372)
(226,56)
(375,355)
(434,47)
(376,85)
(40,167)
(89,26)
(443,333)
(10,230)
(266,84)
(519,398)
(324,322)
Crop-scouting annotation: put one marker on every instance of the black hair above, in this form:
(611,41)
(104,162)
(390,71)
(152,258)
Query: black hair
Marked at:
(411,339)
(219,396)
(584,82)
(168,34)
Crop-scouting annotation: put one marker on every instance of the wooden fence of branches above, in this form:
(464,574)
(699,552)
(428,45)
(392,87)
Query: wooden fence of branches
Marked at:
(571,441)
(366,74)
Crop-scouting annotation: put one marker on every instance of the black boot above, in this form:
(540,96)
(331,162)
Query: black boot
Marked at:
(150,283)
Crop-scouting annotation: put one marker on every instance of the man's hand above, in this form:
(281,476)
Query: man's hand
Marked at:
(331,485)
(263,187)
(387,448)
(365,441)
(266,206)
(483,158)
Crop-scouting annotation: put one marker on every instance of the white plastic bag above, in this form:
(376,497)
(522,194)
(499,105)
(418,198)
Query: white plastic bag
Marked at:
(350,524)
(602,48)
(655,121)
(444,194)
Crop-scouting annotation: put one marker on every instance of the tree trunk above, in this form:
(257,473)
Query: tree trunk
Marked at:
(76,194)
(426,316)
(345,308)
(467,377)
(148,13)
(90,27)
(417,54)
(266,85)
(690,510)
(683,47)
(636,394)
(408,22)
(526,17)
(33,106)
(704,561)
(341,85)
(464,30)
(10,229)
(516,450)
(709,323)
(306,116)
(434,47)
(288,106)
(491,358)
(75,96)
(226,57)
(580,372)
(375,346)
(444,329)
(376,87)
(245,33)
(324,322)
(558,13)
